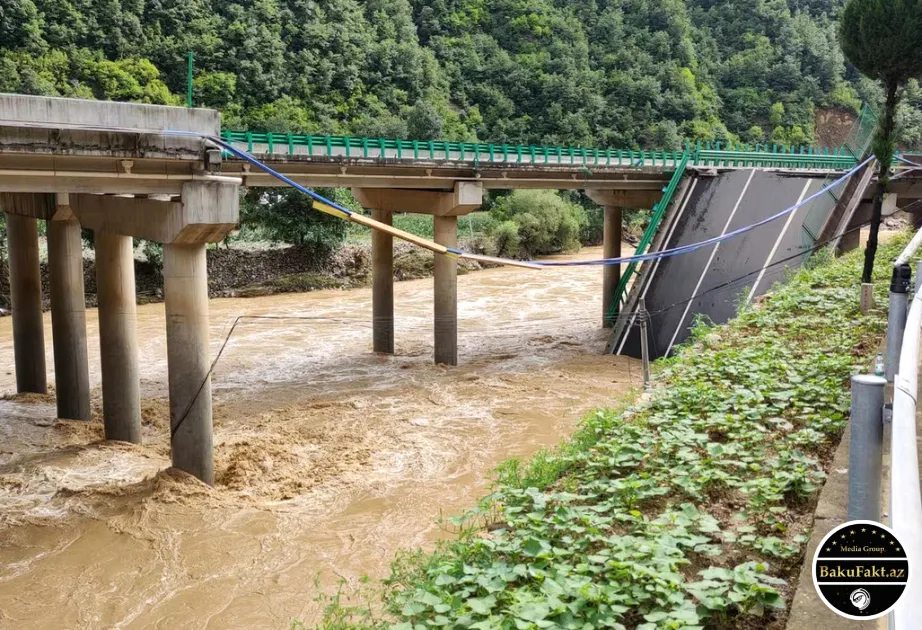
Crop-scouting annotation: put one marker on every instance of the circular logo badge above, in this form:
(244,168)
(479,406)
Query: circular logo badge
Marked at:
(860,570)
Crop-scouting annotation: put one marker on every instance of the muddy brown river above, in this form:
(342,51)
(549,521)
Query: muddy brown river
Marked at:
(329,459)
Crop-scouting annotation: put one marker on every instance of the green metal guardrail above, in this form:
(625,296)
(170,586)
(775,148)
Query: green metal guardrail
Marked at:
(659,211)
(707,154)
(802,158)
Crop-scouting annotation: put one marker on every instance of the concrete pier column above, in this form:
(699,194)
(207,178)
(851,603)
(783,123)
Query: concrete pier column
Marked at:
(68,319)
(446,293)
(185,292)
(611,248)
(382,288)
(26,297)
(118,343)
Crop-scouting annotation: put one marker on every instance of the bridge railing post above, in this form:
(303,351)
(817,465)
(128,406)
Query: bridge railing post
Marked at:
(896,316)
(865,449)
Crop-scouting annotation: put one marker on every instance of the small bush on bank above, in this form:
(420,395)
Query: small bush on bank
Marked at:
(506,239)
(594,229)
(546,223)
(635,221)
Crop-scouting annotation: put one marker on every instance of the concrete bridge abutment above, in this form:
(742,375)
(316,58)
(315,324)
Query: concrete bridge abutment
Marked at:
(445,207)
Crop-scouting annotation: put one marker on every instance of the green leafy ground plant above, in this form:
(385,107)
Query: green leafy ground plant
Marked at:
(686,511)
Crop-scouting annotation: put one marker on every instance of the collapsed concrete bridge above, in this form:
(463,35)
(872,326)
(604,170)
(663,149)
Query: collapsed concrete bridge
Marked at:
(129,171)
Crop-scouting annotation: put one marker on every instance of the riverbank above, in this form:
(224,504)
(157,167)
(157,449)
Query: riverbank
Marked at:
(251,272)
(690,509)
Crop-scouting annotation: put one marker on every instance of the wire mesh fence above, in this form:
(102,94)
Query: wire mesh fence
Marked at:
(856,144)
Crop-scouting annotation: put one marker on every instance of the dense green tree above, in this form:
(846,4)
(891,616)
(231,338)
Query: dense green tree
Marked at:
(285,215)
(883,39)
(592,72)
(606,73)
(544,223)
(424,122)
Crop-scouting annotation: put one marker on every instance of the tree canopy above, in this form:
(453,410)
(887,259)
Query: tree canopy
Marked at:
(883,39)
(625,73)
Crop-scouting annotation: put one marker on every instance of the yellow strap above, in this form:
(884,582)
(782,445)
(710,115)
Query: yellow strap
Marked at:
(328,209)
(389,229)
(432,246)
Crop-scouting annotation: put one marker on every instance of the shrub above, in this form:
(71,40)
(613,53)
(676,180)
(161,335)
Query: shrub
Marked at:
(506,239)
(593,230)
(546,223)
(285,215)
(636,221)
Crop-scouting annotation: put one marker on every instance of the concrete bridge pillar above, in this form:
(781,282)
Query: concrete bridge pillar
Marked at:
(446,293)
(185,293)
(613,202)
(68,315)
(205,213)
(849,241)
(382,288)
(445,207)
(118,344)
(611,248)
(26,298)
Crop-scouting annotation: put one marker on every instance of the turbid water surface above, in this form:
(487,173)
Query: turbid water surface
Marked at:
(329,458)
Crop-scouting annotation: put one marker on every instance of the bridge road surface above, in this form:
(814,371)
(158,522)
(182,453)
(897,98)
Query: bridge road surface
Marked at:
(716,205)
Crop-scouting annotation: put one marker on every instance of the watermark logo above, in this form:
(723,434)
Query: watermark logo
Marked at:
(860,570)
(861,599)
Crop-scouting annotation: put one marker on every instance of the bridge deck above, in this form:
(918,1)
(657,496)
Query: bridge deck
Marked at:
(373,162)
(70,145)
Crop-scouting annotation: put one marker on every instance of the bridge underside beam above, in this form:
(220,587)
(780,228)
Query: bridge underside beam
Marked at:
(625,198)
(464,198)
(205,213)
(443,179)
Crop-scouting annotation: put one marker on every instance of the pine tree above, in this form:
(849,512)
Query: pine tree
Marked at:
(883,39)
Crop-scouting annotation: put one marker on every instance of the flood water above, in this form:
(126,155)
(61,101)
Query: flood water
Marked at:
(329,459)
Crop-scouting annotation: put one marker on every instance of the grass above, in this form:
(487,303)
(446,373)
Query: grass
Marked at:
(687,511)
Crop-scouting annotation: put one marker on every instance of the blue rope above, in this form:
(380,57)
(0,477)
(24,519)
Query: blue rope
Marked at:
(252,160)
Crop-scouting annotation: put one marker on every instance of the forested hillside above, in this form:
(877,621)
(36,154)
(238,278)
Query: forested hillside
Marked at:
(625,73)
